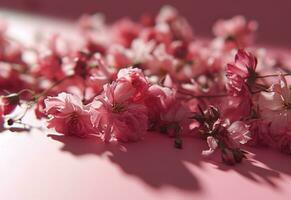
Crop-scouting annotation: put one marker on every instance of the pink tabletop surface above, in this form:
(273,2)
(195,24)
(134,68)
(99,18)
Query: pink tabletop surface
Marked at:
(43,165)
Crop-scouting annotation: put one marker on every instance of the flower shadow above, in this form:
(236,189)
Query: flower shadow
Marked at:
(263,166)
(253,172)
(273,159)
(157,163)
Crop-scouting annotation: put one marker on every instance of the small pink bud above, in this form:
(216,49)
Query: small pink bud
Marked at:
(9,103)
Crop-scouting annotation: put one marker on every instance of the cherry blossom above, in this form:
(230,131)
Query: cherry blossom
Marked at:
(236,30)
(276,106)
(119,112)
(68,115)
(241,72)
(117,81)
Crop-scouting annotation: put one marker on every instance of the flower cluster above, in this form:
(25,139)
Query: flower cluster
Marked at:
(123,80)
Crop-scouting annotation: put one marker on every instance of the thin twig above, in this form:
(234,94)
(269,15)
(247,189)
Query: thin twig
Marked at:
(272,75)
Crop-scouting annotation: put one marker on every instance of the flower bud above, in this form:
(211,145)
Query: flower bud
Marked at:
(228,157)
(238,155)
(9,102)
(178,143)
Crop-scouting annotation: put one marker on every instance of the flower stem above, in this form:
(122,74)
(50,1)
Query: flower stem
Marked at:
(51,87)
(272,75)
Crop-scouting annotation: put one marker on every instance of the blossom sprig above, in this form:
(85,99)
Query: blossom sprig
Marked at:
(121,81)
(221,134)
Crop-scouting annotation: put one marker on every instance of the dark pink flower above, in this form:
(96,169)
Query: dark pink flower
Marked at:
(9,102)
(241,72)
(68,115)
(179,49)
(39,109)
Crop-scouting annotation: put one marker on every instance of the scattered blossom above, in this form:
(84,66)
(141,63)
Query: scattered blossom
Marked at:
(241,72)
(237,31)
(119,112)
(276,106)
(68,115)
(119,81)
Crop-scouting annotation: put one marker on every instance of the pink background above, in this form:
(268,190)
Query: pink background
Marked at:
(273,16)
(42,165)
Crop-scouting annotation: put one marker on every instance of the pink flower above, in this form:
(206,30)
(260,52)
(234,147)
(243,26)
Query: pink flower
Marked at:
(119,112)
(49,66)
(179,49)
(115,116)
(161,61)
(178,25)
(236,30)
(154,103)
(141,50)
(212,144)
(10,50)
(231,136)
(50,62)
(236,107)
(167,14)
(119,57)
(10,79)
(166,111)
(173,110)
(245,63)
(98,75)
(239,132)
(125,31)
(241,72)
(68,115)
(260,133)
(161,33)
(136,82)
(276,107)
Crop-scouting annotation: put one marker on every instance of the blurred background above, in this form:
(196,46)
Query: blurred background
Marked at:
(274,16)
